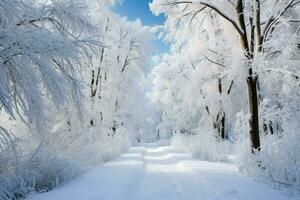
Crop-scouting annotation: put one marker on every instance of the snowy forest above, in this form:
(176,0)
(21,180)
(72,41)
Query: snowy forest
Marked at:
(88,110)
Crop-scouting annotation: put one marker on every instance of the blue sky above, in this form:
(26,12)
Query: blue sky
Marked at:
(134,9)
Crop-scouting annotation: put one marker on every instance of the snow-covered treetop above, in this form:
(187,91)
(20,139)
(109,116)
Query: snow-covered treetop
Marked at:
(41,45)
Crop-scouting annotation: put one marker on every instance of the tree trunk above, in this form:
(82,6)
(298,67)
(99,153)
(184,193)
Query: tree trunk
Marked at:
(251,79)
(253,109)
(221,115)
(222,127)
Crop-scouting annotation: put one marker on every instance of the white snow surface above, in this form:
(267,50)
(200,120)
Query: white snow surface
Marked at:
(154,172)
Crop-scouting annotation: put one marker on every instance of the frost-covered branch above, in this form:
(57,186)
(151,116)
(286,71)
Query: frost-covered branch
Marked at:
(211,6)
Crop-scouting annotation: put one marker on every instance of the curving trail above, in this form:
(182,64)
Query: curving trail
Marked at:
(152,172)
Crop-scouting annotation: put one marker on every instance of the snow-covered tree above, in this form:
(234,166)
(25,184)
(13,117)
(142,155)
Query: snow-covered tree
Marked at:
(119,72)
(42,45)
(63,64)
(227,56)
(254,24)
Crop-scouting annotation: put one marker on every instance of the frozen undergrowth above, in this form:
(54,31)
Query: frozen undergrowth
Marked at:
(276,164)
(203,146)
(25,170)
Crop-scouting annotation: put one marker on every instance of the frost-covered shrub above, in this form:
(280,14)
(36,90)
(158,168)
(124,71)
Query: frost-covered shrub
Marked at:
(278,161)
(27,167)
(90,146)
(203,145)
(39,170)
(51,170)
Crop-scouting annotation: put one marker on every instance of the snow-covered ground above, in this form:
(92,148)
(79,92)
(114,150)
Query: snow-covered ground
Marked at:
(152,172)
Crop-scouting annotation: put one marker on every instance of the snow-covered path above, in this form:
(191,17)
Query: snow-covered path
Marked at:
(153,172)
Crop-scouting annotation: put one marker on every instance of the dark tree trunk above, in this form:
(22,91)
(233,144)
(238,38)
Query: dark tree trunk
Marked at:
(222,127)
(253,109)
(221,114)
(252,80)
(219,125)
